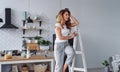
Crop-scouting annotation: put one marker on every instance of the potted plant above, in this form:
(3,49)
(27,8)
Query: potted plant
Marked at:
(29,40)
(36,39)
(44,44)
(106,64)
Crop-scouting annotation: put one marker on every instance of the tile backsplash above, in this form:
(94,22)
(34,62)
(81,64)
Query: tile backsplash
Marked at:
(12,38)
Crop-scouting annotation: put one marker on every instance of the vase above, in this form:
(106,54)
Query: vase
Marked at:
(35,41)
(29,41)
(24,15)
(106,69)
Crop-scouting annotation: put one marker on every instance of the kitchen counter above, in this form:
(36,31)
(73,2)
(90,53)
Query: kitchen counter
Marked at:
(19,59)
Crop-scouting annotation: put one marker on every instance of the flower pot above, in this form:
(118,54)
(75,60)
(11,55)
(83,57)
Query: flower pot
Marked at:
(29,41)
(35,41)
(106,69)
(44,47)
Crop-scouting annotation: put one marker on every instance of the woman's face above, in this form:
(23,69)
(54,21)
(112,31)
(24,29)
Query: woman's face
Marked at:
(66,16)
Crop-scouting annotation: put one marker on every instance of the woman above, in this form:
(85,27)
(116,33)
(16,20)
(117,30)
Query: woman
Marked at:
(62,29)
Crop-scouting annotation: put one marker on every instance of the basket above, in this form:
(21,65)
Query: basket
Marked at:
(40,68)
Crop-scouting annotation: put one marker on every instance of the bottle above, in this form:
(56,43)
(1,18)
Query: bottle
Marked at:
(28,54)
(23,54)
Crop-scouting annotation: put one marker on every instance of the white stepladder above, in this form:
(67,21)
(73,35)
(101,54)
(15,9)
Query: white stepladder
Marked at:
(72,68)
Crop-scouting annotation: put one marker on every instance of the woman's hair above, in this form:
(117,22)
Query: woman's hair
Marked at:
(61,20)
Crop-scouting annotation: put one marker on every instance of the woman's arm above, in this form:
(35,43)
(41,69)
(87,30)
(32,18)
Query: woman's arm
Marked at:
(75,21)
(58,31)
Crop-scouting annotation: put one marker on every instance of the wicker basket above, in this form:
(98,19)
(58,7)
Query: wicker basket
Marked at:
(40,68)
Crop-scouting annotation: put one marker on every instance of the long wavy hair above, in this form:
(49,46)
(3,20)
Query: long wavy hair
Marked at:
(61,20)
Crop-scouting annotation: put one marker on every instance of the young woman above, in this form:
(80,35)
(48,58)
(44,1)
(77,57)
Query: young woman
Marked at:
(62,29)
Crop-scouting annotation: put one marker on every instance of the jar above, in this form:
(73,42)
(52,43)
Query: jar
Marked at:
(23,54)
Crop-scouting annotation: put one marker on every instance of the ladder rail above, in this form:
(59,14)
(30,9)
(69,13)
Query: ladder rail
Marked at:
(74,46)
(81,52)
(81,46)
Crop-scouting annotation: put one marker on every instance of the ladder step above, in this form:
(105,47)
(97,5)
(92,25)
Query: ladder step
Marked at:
(78,52)
(79,69)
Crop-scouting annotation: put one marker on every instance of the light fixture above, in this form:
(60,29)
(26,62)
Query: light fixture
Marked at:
(29,20)
(1,20)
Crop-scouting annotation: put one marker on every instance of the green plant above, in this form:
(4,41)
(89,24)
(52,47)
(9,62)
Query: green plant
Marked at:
(105,63)
(30,38)
(44,42)
(37,38)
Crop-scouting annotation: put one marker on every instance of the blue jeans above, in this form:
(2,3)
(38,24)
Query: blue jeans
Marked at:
(60,49)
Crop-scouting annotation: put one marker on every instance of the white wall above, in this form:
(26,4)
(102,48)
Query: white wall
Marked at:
(12,39)
(99,23)
(100,30)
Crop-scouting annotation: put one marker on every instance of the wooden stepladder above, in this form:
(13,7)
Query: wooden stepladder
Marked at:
(72,68)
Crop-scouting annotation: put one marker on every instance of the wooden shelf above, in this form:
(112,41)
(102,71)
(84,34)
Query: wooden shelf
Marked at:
(19,58)
(28,71)
(32,28)
(33,71)
(30,37)
(38,28)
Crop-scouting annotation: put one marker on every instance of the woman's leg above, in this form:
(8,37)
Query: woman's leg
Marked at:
(65,67)
(59,56)
(70,54)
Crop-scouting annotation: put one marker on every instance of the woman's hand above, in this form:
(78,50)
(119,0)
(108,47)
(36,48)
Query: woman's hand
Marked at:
(74,34)
(71,16)
(75,21)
